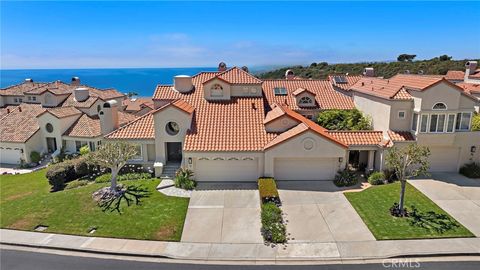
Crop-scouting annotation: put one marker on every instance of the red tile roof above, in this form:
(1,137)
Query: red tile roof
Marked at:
(20,124)
(475,75)
(89,127)
(351,80)
(137,104)
(56,88)
(470,88)
(179,104)
(456,75)
(325,96)
(363,137)
(20,89)
(236,75)
(61,112)
(400,136)
(140,128)
(301,90)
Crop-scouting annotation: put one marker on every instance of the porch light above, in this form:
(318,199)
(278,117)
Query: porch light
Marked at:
(190,160)
(473,149)
(340,159)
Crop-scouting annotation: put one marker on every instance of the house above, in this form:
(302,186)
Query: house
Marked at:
(231,126)
(48,117)
(138,106)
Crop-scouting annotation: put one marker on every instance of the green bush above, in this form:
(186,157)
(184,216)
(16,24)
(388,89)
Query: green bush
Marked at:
(390,175)
(376,178)
(56,175)
(105,178)
(268,190)
(84,150)
(345,178)
(76,184)
(183,179)
(35,156)
(471,170)
(60,173)
(476,122)
(273,228)
(344,120)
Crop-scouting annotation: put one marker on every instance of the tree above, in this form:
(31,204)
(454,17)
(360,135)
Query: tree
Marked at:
(445,58)
(406,57)
(132,94)
(476,122)
(113,155)
(407,162)
(343,120)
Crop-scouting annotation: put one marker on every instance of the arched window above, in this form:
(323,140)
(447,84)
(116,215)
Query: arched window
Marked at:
(439,106)
(305,101)
(216,90)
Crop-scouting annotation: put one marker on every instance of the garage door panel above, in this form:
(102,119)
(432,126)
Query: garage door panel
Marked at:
(305,169)
(10,156)
(444,159)
(226,170)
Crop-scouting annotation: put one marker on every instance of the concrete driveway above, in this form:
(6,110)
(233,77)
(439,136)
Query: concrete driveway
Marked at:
(223,213)
(317,211)
(456,194)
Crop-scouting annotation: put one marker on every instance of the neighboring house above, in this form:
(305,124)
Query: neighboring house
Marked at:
(231,126)
(52,116)
(138,106)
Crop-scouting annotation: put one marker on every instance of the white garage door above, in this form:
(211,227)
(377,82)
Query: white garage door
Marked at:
(305,169)
(10,155)
(443,159)
(226,170)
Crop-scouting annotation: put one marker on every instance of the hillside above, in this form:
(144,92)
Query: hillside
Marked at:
(321,70)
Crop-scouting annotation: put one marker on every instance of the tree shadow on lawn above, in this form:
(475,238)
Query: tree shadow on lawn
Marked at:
(440,223)
(129,194)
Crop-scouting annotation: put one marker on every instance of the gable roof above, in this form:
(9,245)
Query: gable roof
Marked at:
(89,127)
(62,112)
(137,104)
(351,80)
(456,75)
(21,123)
(361,137)
(302,90)
(20,89)
(179,104)
(471,88)
(400,136)
(237,75)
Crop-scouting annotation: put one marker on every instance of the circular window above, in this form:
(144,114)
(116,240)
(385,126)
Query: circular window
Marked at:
(308,144)
(284,122)
(49,128)
(172,128)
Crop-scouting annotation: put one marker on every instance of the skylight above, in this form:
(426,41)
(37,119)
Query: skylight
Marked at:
(280,91)
(340,79)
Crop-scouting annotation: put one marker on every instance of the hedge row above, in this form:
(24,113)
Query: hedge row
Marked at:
(60,173)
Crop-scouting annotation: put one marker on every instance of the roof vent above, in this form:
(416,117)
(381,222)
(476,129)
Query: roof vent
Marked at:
(471,67)
(289,75)
(222,66)
(406,71)
(28,80)
(81,94)
(183,83)
(420,72)
(75,81)
(368,72)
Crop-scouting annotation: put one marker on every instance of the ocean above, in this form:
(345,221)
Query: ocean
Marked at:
(140,80)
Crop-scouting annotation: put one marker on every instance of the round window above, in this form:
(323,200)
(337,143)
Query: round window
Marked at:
(172,128)
(49,128)
(308,144)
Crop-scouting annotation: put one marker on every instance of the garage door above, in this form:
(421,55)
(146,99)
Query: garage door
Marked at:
(443,159)
(226,170)
(305,169)
(10,155)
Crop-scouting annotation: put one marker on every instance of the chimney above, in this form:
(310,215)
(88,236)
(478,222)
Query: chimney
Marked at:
(75,81)
(289,75)
(8,110)
(81,94)
(471,67)
(222,66)
(369,72)
(183,83)
(19,108)
(28,80)
(109,116)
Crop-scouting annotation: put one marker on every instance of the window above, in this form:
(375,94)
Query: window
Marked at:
(305,101)
(79,144)
(92,146)
(441,123)
(439,106)
(450,123)
(138,152)
(20,100)
(463,121)
(15,100)
(423,123)
(433,122)
(437,122)
(34,98)
(401,114)
(29,98)
(280,91)
(49,128)
(172,128)
(415,121)
(216,90)
(340,79)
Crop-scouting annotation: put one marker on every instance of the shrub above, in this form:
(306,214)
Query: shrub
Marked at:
(105,178)
(471,170)
(76,184)
(376,178)
(268,190)
(476,122)
(60,173)
(132,168)
(390,175)
(183,179)
(82,167)
(56,176)
(84,150)
(273,228)
(345,178)
(35,156)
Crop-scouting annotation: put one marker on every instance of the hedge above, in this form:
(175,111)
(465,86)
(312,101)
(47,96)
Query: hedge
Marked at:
(61,173)
(268,190)
(105,178)
(471,170)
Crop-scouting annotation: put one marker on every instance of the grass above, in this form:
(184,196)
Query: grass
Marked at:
(26,201)
(373,206)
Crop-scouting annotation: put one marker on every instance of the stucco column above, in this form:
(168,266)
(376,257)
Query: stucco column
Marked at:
(371,156)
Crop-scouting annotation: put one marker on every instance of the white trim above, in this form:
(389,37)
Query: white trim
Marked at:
(404,114)
(446,108)
(454,122)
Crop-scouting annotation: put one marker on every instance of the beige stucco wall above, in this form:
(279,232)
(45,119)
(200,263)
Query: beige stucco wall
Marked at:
(10,100)
(246,90)
(33,144)
(2,101)
(59,127)
(226,90)
(378,109)
(441,92)
(294,148)
(50,100)
(397,123)
(281,124)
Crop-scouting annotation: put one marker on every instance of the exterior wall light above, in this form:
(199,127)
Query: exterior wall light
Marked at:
(473,149)
(190,160)
(340,159)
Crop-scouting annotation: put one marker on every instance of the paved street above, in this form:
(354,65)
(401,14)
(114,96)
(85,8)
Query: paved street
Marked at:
(223,213)
(317,211)
(456,194)
(23,260)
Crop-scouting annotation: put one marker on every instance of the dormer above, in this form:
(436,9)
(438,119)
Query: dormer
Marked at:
(304,98)
(216,89)
(278,121)
(234,82)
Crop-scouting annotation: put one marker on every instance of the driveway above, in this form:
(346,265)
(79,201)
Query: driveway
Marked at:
(317,211)
(223,213)
(456,194)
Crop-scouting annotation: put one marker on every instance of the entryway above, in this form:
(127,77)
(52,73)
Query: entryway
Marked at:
(51,145)
(174,152)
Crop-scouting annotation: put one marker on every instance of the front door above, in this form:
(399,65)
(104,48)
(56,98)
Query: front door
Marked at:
(51,145)
(174,152)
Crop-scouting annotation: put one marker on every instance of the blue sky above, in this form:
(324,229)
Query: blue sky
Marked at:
(185,34)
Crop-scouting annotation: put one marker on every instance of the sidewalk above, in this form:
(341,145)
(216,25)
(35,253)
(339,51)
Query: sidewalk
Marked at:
(323,251)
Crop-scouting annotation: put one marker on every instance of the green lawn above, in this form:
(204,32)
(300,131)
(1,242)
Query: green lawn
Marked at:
(373,206)
(25,202)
